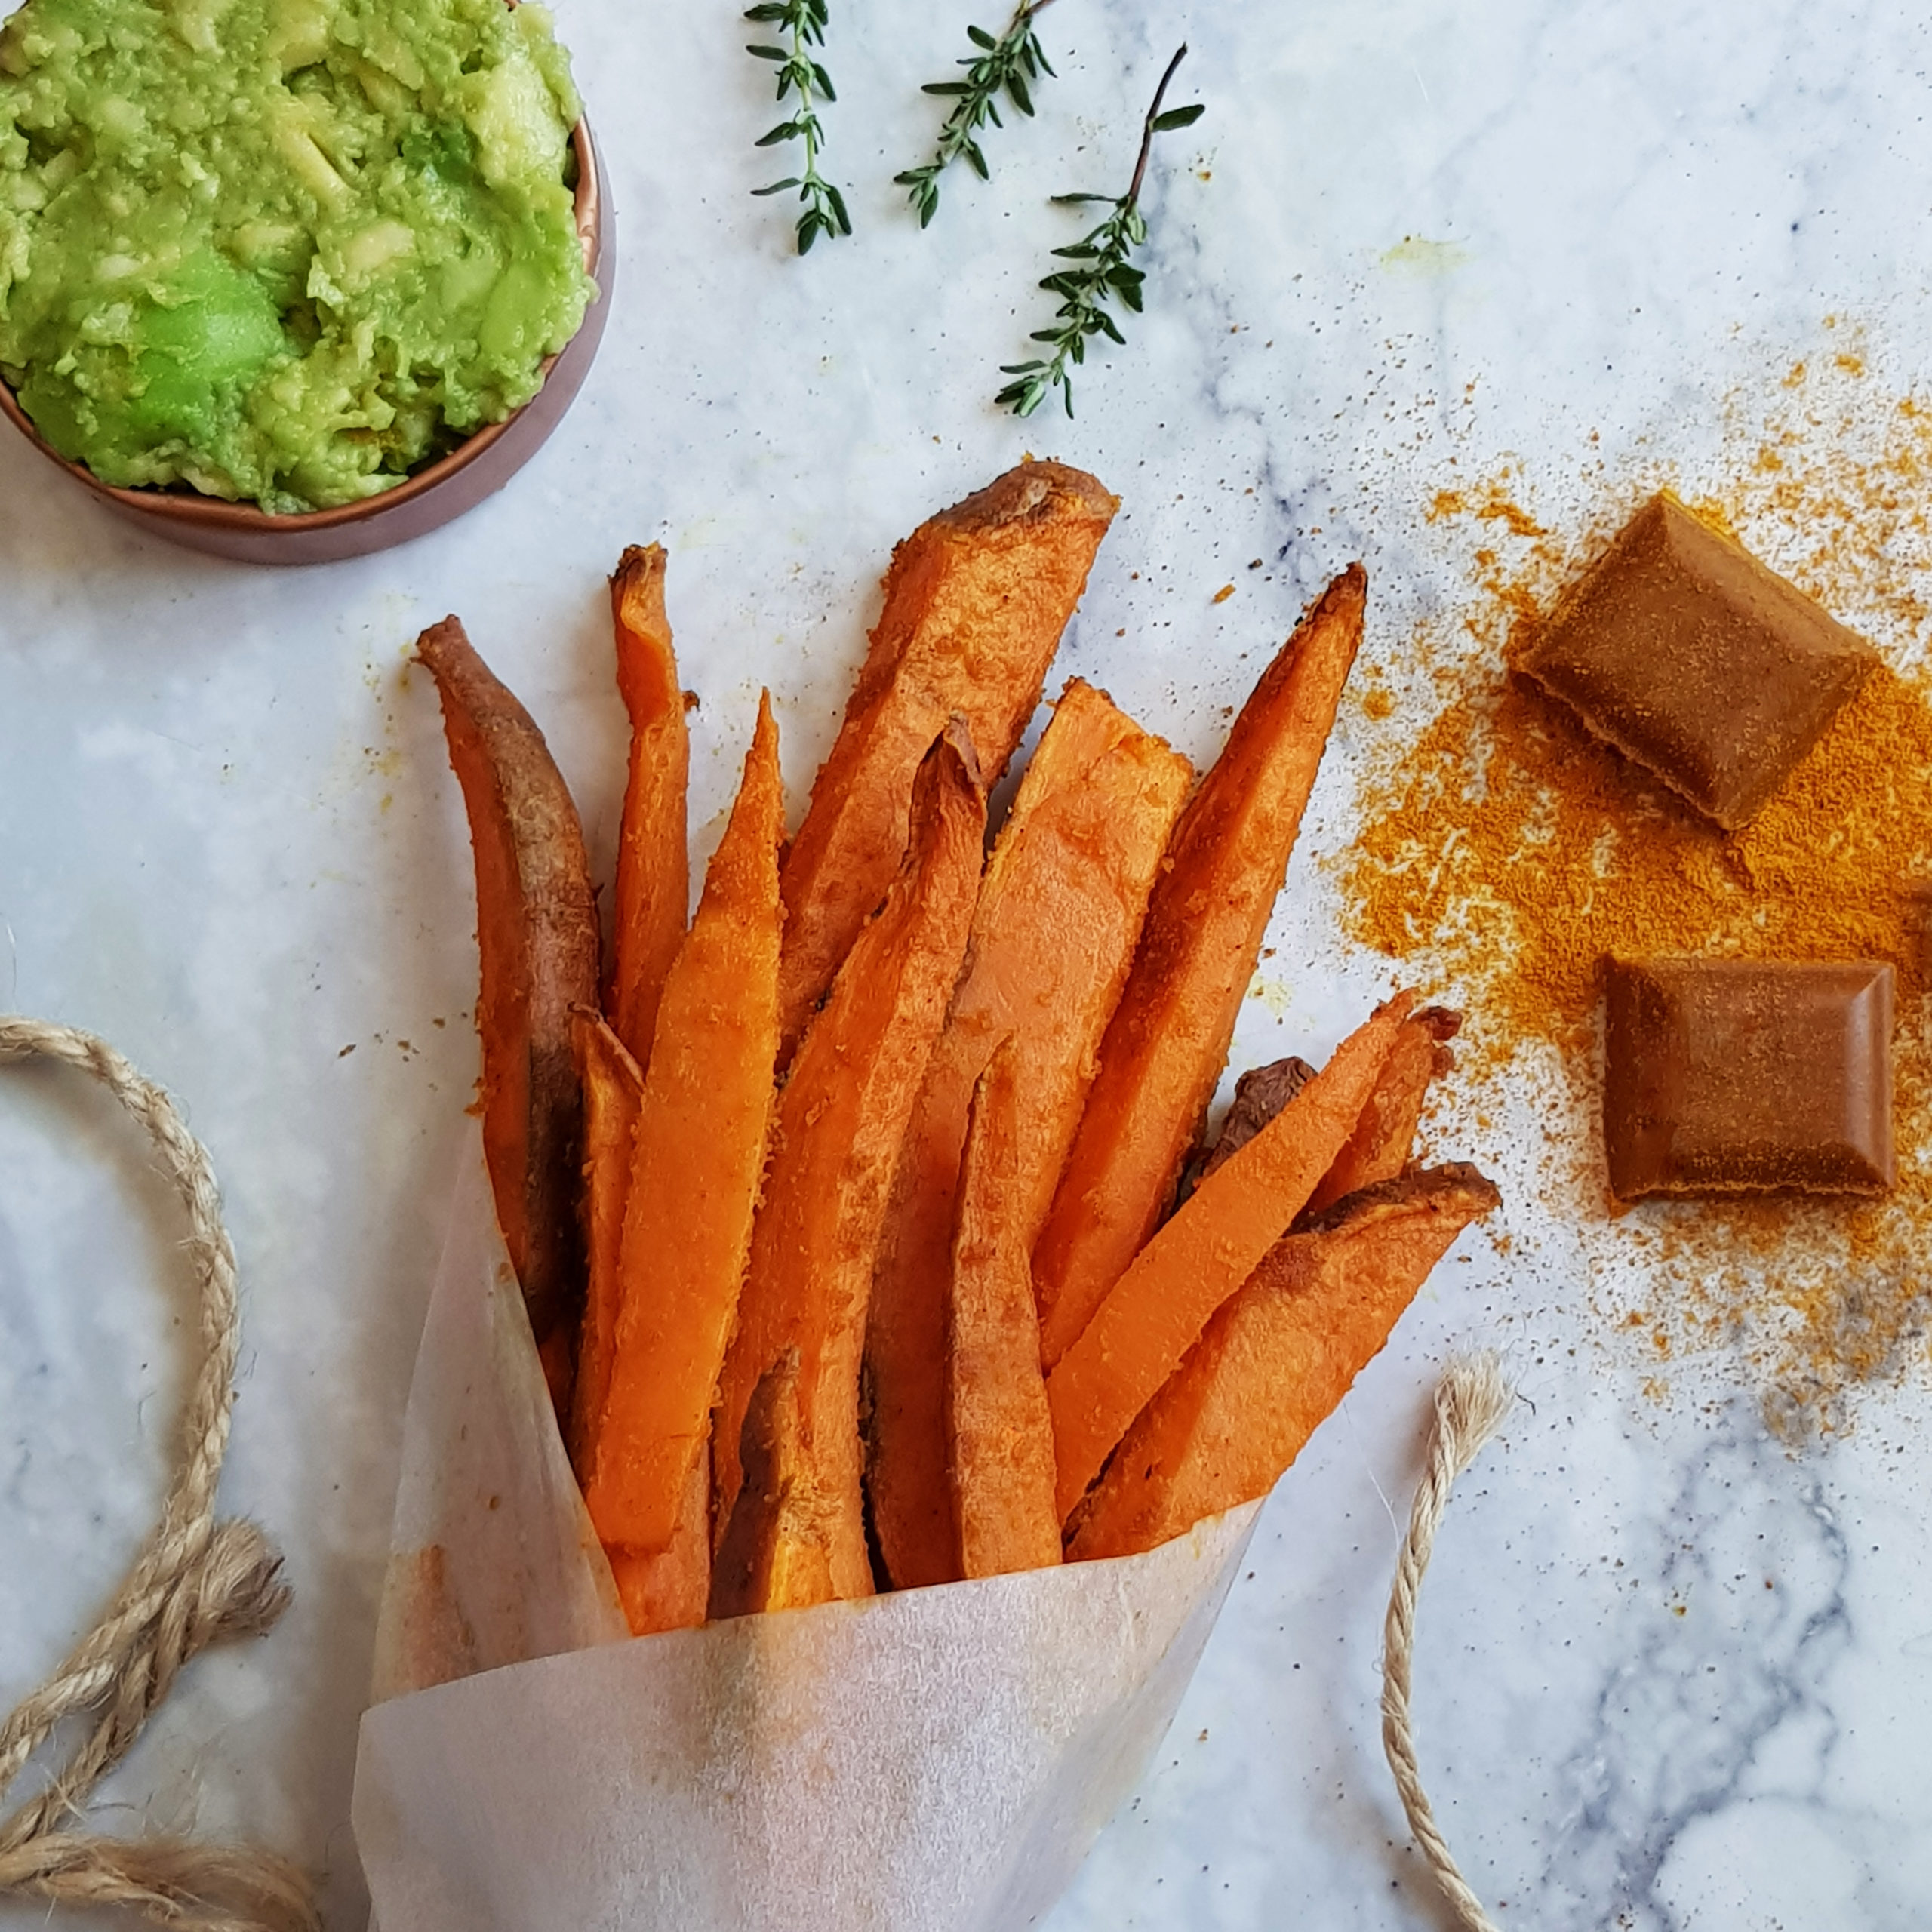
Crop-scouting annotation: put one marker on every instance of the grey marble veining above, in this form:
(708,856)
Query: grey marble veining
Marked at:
(1672,1672)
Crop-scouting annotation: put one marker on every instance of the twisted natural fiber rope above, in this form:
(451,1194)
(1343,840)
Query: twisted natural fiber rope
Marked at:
(197,1582)
(1471,1400)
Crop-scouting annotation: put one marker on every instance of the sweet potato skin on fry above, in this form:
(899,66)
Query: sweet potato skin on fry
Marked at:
(1378,1148)
(537,933)
(697,1152)
(1053,936)
(774,1549)
(1260,1093)
(613,1089)
(1169,1039)
(976,600)
(841,1117)
(1156,1311)
(653,864)
(999,1433)
(1276,1360)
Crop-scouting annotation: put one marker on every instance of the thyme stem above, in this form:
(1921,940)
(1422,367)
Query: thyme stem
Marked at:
(1008,64)
(1101,271)
(1150,126)
(798,73)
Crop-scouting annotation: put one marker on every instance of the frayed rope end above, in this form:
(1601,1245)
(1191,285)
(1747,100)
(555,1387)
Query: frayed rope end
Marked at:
(185,1886)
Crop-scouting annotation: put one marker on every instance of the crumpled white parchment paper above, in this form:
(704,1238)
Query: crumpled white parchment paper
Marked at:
(935,1761)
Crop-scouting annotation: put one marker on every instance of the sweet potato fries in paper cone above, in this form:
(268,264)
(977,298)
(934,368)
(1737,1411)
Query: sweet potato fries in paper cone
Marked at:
(886,1282)
(932,1760)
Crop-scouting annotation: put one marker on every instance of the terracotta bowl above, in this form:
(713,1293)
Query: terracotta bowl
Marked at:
(429,498)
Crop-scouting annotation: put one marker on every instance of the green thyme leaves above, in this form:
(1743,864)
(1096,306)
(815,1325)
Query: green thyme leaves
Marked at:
(1098,274)
(804,80)
(1010,66)
(1094,281)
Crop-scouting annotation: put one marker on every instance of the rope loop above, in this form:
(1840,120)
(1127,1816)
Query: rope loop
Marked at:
(197,1581)
(1471,1400)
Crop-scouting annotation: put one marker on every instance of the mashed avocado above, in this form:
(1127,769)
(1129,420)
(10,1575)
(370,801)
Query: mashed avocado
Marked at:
(285,251)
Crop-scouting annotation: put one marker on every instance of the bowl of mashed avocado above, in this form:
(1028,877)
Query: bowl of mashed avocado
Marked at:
(292,280)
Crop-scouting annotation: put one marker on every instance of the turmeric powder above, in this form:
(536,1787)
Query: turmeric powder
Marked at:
(1514,839)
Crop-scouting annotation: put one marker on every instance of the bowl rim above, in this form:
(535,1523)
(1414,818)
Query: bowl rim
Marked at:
(186,505)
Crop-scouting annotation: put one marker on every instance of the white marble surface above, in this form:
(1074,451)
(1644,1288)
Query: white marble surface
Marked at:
(1671,1675)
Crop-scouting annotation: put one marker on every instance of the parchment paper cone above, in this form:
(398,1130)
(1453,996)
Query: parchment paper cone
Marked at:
(937,1761)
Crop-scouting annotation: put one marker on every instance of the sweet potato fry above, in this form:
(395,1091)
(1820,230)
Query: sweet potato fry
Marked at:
(975,602)
(775,1552)
(1053,936)
(669,1590)
(697,1150)
(1378,1148)
(999,1431)
(1169,1039)
(1276,1360)
(653,875)
(841,1117)
(536,931)
(613,1089)
(1156,1311)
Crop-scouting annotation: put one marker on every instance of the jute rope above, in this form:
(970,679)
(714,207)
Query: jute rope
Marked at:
(1471,1401)
(197,1582)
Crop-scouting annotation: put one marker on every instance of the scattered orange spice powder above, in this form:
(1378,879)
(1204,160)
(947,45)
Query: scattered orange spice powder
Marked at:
(1508,849)
(1512,835)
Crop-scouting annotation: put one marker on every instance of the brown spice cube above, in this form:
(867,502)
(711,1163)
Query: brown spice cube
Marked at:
(1680,649)
(1732,1076)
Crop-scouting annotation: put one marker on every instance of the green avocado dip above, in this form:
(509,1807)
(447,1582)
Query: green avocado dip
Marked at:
(284,251)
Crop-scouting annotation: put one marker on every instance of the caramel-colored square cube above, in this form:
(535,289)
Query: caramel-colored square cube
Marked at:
(1683,651)
(1735,1076)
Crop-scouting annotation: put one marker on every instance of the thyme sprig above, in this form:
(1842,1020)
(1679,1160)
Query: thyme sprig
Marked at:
(798,73)
(1101,272)
(1005,65)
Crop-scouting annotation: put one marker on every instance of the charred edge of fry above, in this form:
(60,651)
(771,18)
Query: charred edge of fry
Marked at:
(1444,1024)
(958,736)
(868,1501)
(637,606)
(537,937)
(1406,1191)
(1260,1093)
(773,1548)
(1033,492)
